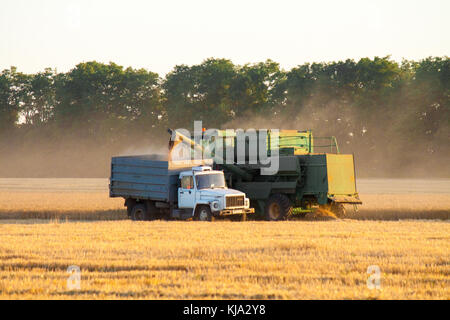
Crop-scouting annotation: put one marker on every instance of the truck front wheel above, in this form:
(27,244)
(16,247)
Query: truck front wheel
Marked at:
(203,213)
(139,212)
(278,207)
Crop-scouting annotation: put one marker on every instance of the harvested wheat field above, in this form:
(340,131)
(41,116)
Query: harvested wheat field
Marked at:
(47,225)
(248,260)
(88,199)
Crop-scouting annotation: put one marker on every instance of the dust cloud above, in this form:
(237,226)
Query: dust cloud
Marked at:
(379,149)
(70,157)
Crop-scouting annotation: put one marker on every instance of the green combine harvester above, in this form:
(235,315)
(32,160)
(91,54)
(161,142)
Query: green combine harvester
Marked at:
(312,173)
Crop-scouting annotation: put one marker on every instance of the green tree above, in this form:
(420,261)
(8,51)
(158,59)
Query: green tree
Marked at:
(200,92)
(13,95)
(8,111)
(257,89)
(38,98)
(103,99)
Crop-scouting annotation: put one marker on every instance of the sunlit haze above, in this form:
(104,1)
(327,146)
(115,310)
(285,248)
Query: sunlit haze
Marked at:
(157,35)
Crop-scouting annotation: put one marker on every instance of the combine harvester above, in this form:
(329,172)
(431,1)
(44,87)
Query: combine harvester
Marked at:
(306,179)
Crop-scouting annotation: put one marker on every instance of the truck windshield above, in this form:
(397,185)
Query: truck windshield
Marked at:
(210,181)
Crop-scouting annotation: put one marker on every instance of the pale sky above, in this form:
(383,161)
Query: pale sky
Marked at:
(157,35)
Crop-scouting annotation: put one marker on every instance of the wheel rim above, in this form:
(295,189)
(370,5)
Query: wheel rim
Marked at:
(274,211)
(203,216)
(139,214)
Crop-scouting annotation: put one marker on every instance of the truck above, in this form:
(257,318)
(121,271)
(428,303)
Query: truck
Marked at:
(312,173)
(154,187)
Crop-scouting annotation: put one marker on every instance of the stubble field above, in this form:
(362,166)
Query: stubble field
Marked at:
(47,225)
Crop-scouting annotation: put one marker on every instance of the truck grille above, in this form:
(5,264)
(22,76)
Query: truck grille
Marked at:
(235,201)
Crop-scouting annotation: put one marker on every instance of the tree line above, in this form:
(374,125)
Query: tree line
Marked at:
(394,116)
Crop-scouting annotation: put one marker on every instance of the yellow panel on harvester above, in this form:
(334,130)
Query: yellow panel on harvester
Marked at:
(341,174)
(294,142)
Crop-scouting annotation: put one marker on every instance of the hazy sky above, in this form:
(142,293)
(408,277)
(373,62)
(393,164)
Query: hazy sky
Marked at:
(157,35)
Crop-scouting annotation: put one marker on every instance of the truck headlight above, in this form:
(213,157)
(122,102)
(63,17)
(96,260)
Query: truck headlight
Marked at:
(247,202)
(215,205)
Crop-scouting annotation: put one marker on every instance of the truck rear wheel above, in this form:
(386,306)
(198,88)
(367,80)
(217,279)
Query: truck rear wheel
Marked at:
(139,212)
(278,207)
(203,213)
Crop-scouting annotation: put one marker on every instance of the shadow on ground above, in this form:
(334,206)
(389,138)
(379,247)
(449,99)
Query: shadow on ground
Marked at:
(108,215)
